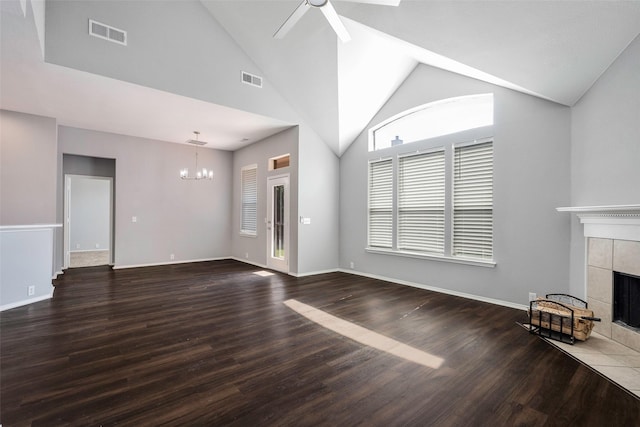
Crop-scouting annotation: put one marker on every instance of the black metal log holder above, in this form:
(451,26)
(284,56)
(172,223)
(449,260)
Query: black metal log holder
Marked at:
(564,316)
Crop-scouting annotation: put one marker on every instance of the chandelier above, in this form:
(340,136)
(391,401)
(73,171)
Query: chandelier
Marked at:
(200,174)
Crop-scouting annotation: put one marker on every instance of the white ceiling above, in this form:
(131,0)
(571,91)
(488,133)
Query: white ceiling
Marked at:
(552,49)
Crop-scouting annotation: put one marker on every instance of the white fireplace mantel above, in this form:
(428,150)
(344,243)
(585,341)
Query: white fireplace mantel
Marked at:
(620,222)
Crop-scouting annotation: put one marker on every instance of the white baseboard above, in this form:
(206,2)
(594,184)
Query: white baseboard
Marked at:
(246,261)
(26,301)
(313,273)
(155,264)
(440,290)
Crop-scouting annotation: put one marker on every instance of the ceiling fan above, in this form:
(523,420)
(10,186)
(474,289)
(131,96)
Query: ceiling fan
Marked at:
(329,12)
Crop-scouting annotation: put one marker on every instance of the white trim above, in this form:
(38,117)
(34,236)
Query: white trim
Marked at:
(28,227)
(89,250)
(599,209)
(433,257)
(620,222)
(245,234)
(27,301)
(313,273)
(246,261)
(154,264)
(439,290)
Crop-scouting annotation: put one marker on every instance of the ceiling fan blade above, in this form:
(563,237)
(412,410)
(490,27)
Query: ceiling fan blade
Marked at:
(292,20)
(335,22)
(380,2)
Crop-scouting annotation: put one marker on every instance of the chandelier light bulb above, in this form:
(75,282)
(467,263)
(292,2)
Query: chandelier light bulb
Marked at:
(204,173)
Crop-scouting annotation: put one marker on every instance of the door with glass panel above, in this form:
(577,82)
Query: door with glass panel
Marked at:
(278,223)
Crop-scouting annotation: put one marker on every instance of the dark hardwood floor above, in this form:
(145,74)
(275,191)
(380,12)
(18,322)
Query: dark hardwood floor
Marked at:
(212,343)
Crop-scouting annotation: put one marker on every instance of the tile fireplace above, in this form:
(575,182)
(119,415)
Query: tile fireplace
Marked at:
(613,250)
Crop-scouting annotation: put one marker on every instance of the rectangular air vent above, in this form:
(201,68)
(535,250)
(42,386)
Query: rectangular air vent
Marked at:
(251,79)
(107,32)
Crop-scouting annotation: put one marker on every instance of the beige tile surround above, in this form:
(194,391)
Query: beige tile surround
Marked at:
(604,256)
(615,361)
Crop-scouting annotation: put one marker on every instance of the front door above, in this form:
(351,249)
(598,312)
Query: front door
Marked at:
(278,223)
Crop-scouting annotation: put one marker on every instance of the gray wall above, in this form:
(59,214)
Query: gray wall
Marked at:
(28,171)
(531,179)
(28,154)
(189,219)
(605,150)
(254,249)
(319,200)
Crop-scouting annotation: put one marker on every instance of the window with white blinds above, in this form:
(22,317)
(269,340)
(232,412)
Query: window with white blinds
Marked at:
(381,203)
(473,201)
(421,202)
(249,196)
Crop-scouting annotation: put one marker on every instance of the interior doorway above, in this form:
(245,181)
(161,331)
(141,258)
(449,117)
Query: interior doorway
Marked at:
(278,223)
(88,219)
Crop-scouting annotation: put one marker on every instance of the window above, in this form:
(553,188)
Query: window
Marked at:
(435,119)
(380,203)
(279,162)
(435,198)
(421,202)
(473,201)
(249,196)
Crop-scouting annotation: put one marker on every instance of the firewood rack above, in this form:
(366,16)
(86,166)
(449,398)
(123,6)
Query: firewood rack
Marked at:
(561,317)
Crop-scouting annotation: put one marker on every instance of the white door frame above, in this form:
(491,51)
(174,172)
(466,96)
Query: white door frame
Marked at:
(276,263)
(67,215)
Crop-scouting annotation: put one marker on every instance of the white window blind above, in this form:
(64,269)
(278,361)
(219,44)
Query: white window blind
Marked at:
(249,184)
(421,202)
(381,204)
(473,201)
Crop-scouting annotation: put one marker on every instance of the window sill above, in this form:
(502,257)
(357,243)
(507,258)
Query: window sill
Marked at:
(244,234)
(444,258)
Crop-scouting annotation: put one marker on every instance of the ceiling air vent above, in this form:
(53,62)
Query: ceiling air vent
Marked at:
(251,79)
(107,32)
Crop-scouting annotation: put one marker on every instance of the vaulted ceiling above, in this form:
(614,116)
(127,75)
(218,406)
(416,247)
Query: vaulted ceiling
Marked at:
(554,49)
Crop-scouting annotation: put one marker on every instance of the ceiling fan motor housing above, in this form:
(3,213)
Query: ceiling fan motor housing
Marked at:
(317,3)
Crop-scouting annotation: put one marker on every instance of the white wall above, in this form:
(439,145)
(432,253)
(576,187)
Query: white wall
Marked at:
(531,178)
(605,148)
(90,213)
(254,249)
(26,257)
(189,219)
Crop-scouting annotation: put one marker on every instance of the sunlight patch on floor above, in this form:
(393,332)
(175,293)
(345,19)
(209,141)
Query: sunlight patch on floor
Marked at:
(263,273)
(364,335)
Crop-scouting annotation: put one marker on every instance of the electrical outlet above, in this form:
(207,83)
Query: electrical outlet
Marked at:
(77,245)
(31,290)
(172,256)
(134,219)
(246,255)
(532,296)
(352,265)
(97,245)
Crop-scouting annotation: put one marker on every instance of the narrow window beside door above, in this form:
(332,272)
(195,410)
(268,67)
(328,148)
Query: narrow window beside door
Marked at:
(249,196)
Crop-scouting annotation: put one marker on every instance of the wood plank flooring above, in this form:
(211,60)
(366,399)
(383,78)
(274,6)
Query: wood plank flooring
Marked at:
(212,343)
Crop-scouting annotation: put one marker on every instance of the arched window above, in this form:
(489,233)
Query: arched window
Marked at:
(434,199)
(431,120)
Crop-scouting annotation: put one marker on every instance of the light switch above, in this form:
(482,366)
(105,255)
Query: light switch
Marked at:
(306,221)
(134,219)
